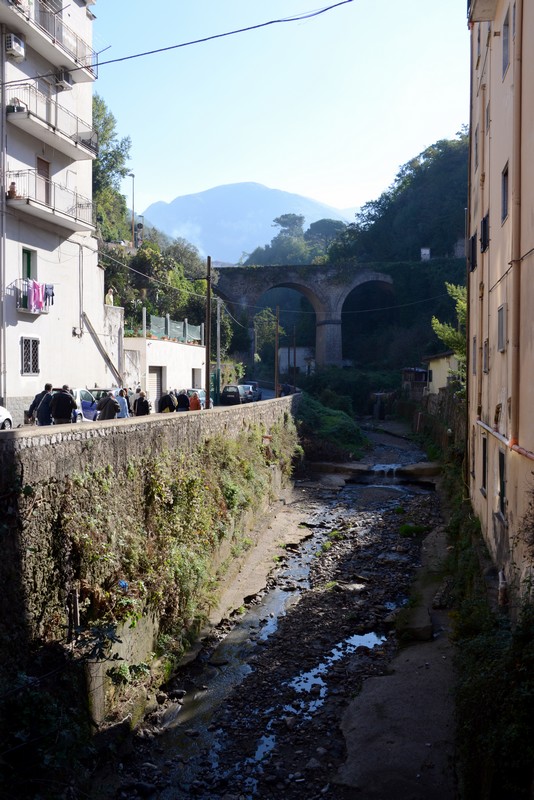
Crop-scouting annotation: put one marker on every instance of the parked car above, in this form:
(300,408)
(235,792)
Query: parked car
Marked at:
(6,420)
(233,395)
(201,395)
(256,388)
(249,394)
(86,405)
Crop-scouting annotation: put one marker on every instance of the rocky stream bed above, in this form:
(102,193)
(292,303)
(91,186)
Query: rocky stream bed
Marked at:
(257,713)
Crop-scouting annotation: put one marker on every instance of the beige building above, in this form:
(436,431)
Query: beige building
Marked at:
(501,289)
(442,369)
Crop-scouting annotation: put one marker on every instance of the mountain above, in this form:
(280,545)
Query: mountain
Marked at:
(227,221)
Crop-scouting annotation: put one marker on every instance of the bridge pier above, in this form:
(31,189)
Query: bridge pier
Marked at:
(328,343)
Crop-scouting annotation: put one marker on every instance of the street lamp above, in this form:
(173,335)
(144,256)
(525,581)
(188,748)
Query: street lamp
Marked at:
(132,176)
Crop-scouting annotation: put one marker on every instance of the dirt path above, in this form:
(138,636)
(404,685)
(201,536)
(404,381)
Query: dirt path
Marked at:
(322,704)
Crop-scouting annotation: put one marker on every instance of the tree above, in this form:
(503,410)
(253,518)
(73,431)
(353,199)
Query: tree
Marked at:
(320,235)
(423,208)
(455,338)
(108,169)
(265,329)
(290,225)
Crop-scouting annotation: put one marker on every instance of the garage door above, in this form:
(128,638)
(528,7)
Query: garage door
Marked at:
(154,386)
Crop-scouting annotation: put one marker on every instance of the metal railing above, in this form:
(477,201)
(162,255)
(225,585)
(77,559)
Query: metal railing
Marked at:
(31,296)
(24,97)
(51,24)
(29,185)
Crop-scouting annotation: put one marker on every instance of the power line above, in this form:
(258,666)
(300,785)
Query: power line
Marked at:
(296,18)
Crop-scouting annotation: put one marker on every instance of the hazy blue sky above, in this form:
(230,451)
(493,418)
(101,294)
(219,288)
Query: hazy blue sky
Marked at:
(329,107)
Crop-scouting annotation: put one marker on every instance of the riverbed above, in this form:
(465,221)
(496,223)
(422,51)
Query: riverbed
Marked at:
(256,713)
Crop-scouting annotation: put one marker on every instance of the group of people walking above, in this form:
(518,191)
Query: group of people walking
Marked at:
(58,407)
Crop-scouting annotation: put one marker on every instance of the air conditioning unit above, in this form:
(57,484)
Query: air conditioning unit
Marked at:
(15,47)
(64,79)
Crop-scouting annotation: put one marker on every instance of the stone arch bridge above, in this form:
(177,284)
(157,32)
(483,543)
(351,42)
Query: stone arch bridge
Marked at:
(325,286)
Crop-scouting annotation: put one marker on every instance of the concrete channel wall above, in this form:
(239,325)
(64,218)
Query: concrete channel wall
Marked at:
(46,478)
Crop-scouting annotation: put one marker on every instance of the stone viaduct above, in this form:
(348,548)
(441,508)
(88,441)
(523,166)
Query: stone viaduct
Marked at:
(325,286)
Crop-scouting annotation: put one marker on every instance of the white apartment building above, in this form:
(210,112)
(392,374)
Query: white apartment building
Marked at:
(54,324)
(501,289)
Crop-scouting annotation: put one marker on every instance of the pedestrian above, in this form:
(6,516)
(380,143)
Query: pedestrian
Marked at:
(122,400)
(167,403)
(141,407)
(108,300)
(182,403)
(194,402)
(62,405)
(32,411)
(108,407)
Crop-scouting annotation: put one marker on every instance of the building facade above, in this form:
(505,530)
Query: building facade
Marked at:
(53,323)
(500,285)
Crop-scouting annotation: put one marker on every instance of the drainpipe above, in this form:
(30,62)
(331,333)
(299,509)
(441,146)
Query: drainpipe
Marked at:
(516,228)
(3,348)
(484,257)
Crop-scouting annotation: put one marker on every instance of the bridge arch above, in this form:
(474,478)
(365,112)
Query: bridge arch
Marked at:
(325,287)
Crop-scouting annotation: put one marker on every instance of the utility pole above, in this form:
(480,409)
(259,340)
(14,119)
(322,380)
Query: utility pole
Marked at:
(294,357)
(218,372)
(276,352)
(208,331)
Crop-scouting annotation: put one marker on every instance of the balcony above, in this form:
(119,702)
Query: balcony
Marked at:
(481,10)
(32,297)
(44,31)
(38,196)
(51,123)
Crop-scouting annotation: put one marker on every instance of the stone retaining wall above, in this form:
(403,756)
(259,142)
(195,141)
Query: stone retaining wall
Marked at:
(46,478)
(33,454)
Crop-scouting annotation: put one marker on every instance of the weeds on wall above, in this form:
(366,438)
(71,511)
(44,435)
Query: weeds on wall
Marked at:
(494,694)
(140,540)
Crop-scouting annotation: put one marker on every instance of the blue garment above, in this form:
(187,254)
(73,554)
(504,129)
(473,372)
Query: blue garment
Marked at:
(123,413)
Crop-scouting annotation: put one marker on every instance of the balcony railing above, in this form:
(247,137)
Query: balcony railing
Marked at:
(25,99)
(45,198)
(33,297)
(49,22)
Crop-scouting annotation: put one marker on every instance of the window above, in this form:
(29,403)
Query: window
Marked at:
(484,464)
(502,483)
(504,193)
(506,43)
(474,355)
(501,328)
(30,356)
(484,233)
(479,50)
(472,255)
(485,356)
(488,117)
(475,148)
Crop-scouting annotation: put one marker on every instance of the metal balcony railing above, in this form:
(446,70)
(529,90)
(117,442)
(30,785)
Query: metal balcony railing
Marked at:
(29,185)
(27,98)
(33,297)
(51,24)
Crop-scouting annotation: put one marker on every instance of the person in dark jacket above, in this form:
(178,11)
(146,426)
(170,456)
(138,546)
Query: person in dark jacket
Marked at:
(108,407)
(141,407)
(38,402)
(62,405)
(182,402)
(167,402)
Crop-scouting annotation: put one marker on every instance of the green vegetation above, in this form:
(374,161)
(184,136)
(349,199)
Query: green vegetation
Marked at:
(424,207)
(327,432)
(293,245)
(494,660)
(135,542)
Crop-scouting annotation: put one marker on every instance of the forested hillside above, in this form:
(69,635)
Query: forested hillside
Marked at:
(424,208)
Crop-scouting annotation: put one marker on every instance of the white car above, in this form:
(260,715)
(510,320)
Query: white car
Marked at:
(6,420)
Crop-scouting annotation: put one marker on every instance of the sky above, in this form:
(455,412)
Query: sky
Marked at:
(328,107)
